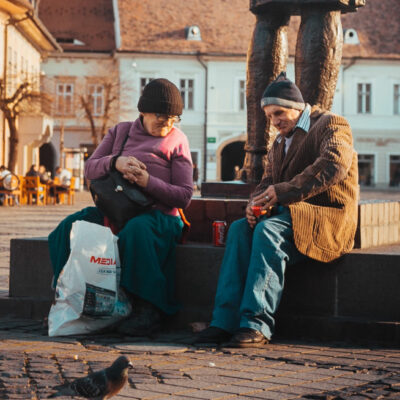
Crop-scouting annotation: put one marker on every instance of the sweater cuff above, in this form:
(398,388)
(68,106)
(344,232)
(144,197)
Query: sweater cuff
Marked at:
(152,185)
(113,162)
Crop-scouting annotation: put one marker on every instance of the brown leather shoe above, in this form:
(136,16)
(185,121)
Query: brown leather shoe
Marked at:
(212,335)
(247,337)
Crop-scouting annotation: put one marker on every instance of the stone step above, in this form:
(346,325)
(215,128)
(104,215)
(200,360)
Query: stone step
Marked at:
(358,290)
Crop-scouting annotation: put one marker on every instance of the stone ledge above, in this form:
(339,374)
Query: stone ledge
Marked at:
(362,284)
(378,222)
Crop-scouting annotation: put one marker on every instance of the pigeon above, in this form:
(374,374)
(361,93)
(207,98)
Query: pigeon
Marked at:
(100,385)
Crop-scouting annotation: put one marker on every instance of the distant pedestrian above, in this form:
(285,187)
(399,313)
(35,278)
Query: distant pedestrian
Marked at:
(63,176)
(236,173)
(195,176)
(33,171)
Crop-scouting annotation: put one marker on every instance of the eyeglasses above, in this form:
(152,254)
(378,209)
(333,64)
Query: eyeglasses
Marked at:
(168,118)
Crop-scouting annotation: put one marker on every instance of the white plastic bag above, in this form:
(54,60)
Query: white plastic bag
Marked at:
(87,295)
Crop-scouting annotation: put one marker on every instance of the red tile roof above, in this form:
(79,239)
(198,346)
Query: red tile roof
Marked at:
(89,21)
(158,26)
(226,27)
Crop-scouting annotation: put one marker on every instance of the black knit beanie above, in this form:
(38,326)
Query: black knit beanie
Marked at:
(161,96)
(283,92)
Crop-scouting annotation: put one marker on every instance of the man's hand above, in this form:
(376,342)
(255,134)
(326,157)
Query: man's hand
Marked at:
(251,219)
(266,199)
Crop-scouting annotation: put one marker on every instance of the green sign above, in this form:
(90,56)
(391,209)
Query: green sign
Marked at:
(211,140)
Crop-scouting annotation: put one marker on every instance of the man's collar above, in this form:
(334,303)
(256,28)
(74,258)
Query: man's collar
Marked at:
(303,122)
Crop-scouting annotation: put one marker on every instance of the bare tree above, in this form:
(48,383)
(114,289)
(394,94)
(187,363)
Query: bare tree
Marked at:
(110,96)
(12,105)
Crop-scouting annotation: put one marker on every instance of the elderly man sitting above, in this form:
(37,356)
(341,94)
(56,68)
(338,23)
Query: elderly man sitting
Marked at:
(310,183)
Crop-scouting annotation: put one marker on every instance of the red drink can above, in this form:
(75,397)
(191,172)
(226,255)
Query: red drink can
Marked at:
(219,233)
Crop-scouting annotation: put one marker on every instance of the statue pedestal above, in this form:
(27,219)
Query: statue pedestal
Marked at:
(225,201)
(227,190)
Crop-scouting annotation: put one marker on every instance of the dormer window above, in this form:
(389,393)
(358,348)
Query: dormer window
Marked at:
(350,36)
(73,41)
(193,32)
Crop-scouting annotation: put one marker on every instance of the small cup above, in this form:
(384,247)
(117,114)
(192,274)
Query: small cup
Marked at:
(257,211)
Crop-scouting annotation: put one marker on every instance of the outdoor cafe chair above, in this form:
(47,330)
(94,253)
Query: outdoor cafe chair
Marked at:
(35,191)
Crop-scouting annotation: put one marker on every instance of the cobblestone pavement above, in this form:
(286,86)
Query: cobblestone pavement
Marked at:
(166,367)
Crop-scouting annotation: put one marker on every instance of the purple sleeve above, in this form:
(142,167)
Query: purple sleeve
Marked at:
(98,164)
(179,192)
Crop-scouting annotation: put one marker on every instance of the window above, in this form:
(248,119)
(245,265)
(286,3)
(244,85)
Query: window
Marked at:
(26,68)
(366,169)
(394,171)
(96,93)
(364,98)
(9,70)
(22,66)
(15,64)
(15,69)
(143,83)
(187,88)
(13,72)
(64,100)
(396,99)
(242,94)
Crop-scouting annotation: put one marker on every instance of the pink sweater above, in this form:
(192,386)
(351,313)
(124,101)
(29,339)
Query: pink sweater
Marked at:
(167,159)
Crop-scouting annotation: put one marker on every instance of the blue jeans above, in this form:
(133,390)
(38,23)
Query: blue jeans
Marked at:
(251,278)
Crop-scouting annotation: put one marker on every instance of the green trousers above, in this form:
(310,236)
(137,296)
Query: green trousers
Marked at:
(146,248)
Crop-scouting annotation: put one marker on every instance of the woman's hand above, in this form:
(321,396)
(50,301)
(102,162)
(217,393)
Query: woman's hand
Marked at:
(125,165)
(137,175)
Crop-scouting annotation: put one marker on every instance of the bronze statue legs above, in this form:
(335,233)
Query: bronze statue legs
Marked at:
(318,55)
(266,57)
(317,64)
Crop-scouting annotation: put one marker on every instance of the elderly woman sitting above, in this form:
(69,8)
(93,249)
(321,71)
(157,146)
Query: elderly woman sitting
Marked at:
(156,156)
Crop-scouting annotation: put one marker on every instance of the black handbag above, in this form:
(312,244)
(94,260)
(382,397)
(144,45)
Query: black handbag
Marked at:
(117,198)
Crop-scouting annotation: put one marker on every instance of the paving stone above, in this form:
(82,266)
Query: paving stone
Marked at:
(151,347)
(269,395)
(286,380)
(259,384)
(205,394)
(232,389)
(298,390)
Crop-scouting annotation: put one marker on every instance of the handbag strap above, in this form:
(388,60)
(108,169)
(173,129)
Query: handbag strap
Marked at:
(123,144)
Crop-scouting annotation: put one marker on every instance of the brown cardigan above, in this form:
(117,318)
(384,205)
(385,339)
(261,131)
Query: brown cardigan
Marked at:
(318,180)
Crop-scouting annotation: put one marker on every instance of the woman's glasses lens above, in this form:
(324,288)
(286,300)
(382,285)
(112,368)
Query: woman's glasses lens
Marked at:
(168,118)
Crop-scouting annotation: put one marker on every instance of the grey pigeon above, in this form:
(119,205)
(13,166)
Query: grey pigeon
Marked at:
(100,385)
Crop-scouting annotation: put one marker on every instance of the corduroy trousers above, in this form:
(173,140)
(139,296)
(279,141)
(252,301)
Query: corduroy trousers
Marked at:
(251,278)
(147,251)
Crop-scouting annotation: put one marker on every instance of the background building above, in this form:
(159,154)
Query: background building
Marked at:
(24,42)
(201,46)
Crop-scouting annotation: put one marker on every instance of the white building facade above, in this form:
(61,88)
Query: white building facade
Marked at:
(367,94)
